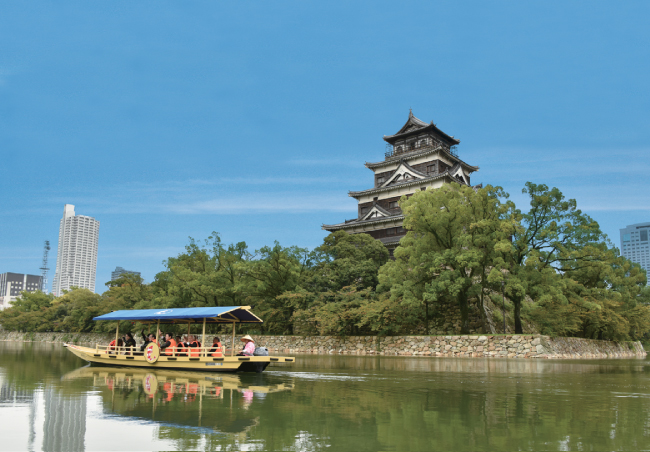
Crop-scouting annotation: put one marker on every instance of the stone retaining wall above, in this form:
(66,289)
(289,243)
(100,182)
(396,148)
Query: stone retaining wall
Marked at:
(490,346)
(520,346)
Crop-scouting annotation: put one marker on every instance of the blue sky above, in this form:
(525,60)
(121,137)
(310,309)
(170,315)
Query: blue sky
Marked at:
(165,120)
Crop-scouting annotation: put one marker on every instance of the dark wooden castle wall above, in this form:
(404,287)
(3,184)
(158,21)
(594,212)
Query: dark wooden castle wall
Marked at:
(388,232)
(441,167)
(383,203)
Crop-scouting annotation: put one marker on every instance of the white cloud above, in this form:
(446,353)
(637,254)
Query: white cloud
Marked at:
(324,162)
(144,252)
(256,203)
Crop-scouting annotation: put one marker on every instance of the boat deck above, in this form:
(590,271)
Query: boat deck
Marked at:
(195,363)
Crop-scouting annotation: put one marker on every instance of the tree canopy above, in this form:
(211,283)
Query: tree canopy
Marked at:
(463,248)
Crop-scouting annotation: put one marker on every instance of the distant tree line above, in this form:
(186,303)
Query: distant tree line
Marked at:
(559,272)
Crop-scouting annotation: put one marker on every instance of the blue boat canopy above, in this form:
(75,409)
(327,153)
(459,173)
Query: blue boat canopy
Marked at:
(217,314)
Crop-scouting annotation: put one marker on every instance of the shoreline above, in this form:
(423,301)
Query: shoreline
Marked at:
(525,346)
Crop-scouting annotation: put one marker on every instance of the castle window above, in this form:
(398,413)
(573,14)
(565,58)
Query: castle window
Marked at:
(431,169)
(390,231)
(393,205)
(380,180)
(364,210)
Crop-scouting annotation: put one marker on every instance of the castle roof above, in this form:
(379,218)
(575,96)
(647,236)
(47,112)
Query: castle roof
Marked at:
(357,222)
(447,174)
(419,153)
(415,126)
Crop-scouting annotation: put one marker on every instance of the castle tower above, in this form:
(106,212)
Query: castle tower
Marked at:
(419,157)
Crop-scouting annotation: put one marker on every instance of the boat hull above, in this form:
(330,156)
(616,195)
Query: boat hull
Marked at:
(204,363)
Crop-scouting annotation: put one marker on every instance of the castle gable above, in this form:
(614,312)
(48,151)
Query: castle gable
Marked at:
(403,173)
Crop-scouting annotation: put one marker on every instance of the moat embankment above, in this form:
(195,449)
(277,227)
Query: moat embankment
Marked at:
(476,346)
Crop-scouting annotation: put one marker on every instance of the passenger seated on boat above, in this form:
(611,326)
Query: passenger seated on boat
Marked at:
(147,340)
(111,346)
(169,346)
(194,346)
(129,343)
(181,349)
(187,340)
(249,347)
(215,351)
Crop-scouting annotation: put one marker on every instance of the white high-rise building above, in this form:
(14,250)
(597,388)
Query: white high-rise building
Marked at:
(76,259)
(635,244)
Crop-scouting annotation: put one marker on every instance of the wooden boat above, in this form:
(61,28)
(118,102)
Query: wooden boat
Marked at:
(199,359)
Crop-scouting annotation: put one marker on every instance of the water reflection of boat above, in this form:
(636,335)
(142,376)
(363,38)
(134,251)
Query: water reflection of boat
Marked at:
(218,402)
(152,380)
(204,358)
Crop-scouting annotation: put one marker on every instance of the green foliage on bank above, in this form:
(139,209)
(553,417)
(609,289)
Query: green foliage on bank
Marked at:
(557,269)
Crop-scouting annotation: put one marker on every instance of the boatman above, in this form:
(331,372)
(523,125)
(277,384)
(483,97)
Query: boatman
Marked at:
(249,346)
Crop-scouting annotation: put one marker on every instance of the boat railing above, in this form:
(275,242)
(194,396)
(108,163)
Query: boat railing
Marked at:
(191,352)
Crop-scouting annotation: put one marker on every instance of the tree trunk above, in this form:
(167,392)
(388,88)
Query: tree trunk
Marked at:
(518,328)
(481,306)
(464,313)
(426,318)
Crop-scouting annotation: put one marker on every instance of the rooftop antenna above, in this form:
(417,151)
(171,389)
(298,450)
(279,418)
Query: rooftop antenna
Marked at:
(44,269)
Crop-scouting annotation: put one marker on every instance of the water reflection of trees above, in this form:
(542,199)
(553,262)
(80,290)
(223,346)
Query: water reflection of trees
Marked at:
(379,403)
(27,366)
(483,404)
(469,365)
(460,412)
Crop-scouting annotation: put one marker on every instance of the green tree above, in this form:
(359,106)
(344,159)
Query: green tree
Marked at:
(206,274)
(28,313)
(274,271)
(335,294)
(347,260)
(554,234)
(74,310)
(445,256)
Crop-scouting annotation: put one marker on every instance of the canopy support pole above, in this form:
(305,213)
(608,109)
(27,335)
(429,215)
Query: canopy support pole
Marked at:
(203,335)
(158,333)
(188,330)
(117,334)
(232,349)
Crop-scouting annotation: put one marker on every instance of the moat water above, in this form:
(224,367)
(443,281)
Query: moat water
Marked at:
(50,400)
